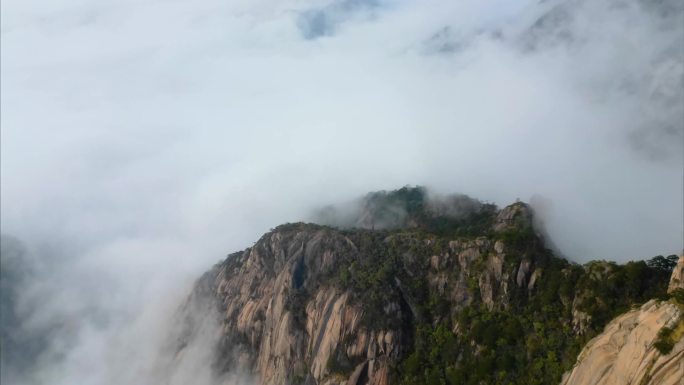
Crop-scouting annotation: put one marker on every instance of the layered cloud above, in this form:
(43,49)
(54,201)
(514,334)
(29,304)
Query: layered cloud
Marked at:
(143,140)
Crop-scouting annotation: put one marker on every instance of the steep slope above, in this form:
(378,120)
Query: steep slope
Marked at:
(444,297)
(642,347)
(677,279)
(625,353)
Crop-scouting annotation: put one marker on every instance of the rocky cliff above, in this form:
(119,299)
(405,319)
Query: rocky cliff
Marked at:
(677,279)
(626,353)
(454,299)
(645,346)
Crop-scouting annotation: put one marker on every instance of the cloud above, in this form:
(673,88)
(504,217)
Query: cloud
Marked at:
(324,21)
(142,141)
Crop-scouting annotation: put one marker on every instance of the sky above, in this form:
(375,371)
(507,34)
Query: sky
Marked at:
(142,141)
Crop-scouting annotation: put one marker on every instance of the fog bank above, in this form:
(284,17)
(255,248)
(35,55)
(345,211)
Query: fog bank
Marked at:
(143,141)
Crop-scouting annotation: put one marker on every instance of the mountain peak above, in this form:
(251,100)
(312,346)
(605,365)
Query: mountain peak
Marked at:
(358,300)
(416,207)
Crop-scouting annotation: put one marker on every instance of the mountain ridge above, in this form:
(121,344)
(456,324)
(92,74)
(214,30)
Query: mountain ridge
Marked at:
(314,304)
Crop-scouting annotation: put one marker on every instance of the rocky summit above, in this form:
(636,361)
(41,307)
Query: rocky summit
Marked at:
(418,289)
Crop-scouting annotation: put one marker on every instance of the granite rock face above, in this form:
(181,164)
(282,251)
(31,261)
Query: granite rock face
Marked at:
(514,217)
(627,353)
(278,324)
(677,280)
(317,305)
(282,319)
(624,354)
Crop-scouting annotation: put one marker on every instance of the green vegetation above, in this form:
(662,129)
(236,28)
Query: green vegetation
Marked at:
(610,289)
(491,347)
(669,336)
(678,296)
(532,341)
(454,215)
(519,238)
(663,263)
(530,336)
(664,344)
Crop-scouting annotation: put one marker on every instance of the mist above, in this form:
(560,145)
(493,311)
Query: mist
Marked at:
(143,141)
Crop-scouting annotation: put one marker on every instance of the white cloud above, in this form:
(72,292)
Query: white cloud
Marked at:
(148,138)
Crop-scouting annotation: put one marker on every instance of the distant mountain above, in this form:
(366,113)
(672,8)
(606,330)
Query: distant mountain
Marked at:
(415,289)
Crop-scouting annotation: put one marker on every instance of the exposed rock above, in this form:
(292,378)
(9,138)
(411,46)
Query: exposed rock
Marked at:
(533,279)
(624,354)
(580,320)
(471,252)
(523,273)
(490,282)
(677,279)
(281,318)
(435,262)
(515,216)
(313,305)
(282,328)
(499,247)
(360,374)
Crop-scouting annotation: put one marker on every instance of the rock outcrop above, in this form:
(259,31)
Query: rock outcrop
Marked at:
(279,323)
(677,280)
(281,316)
(624,354)
(514,217)
(427,303)
(645,346)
